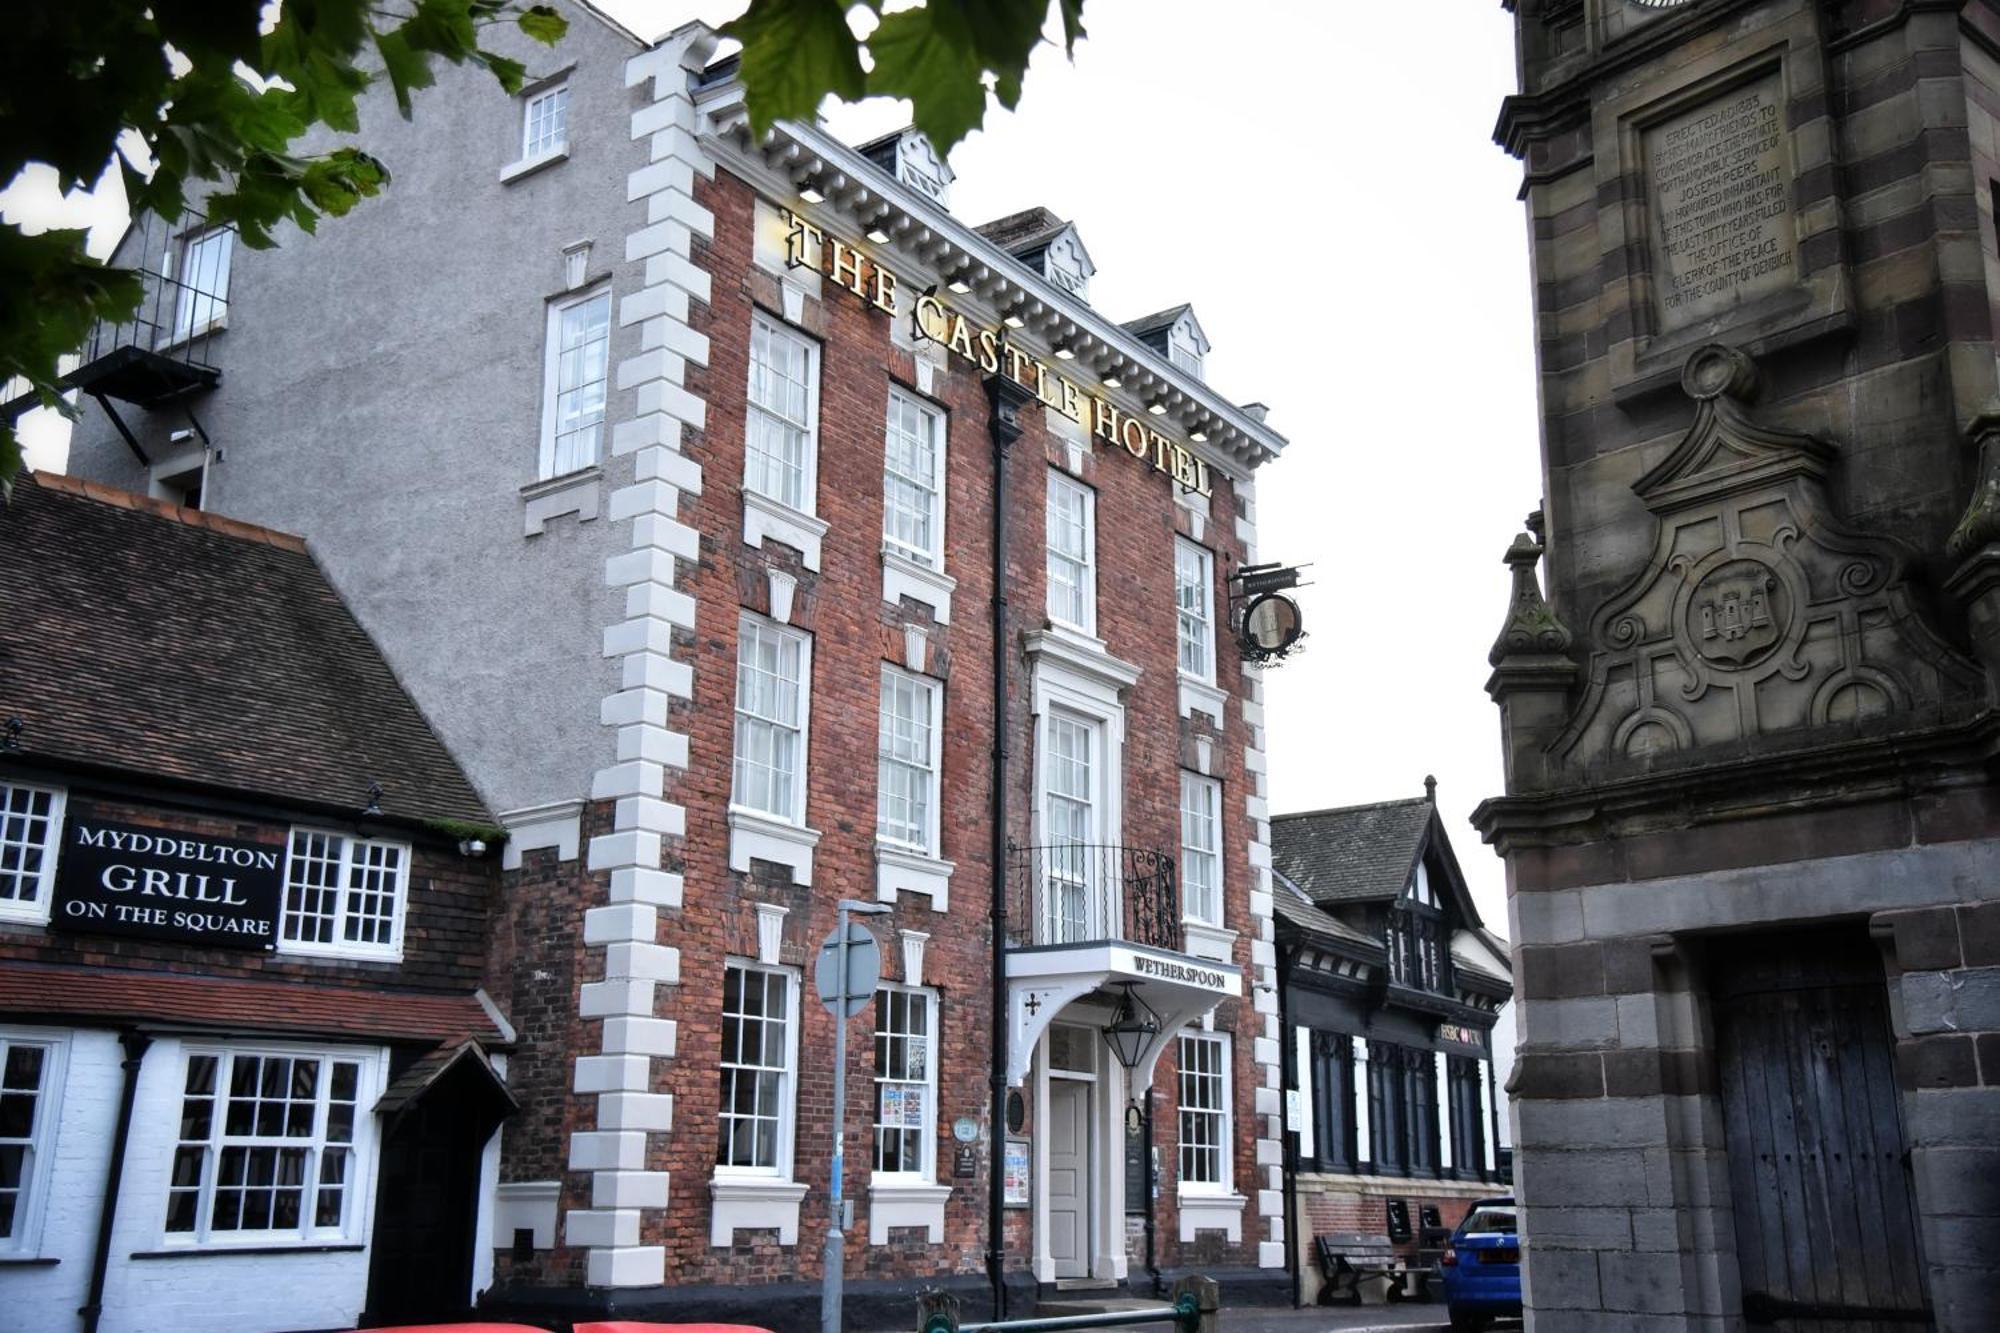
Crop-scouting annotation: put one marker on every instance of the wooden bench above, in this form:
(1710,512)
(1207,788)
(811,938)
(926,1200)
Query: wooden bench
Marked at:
(1347,1259)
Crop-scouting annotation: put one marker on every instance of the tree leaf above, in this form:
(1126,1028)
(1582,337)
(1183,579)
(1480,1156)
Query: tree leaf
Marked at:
(543,23)
(927,55)
(1072,21)
(795,52)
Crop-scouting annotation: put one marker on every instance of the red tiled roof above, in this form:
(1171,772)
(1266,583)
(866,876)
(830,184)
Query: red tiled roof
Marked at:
(29,990)
(191,647)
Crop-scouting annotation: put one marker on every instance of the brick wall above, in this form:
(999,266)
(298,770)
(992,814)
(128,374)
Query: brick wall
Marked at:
(854,631)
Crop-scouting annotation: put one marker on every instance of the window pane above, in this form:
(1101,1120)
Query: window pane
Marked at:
(1204,1110)
(581,351)
(1071,560)
(1194,602)
(755,1078)
(777,454)
(906,771)
(202,288)
(905,1116)
(1201,848)
(27,833)
(770,707)
(911,513)
(545,123)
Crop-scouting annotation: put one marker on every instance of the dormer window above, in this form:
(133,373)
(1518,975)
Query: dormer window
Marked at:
(1175,334)
(1415,935)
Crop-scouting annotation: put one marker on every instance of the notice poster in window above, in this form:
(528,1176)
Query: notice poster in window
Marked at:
(1016,1177)
(913,1108)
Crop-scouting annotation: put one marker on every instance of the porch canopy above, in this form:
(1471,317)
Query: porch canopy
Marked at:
(1041,982)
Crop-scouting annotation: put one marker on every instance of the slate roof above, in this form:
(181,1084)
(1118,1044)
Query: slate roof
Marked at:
(188,647)
(1153,323)
(1360,853)
(1296,909)
(69,992)
(1022,231)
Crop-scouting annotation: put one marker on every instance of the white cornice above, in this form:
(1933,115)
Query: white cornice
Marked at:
(863,197)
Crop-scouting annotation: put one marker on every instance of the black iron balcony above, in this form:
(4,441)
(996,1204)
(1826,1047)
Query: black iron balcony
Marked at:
(1092,893)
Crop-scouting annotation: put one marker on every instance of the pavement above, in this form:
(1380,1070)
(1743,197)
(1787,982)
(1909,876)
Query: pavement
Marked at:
(1411,1318)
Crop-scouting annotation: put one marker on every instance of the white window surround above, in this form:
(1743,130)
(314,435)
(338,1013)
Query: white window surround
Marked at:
(1071,564)
(358,1205)
(539,150)
(913,509)
(1194,610)
(745,1198)
(574,350)
(910,1198)
(787,405)
(22,1236)
(903,577)
(925,1172)
(348,896)
(901,866)
(899,870)
(200,270)
(31,818)
(759,834)
(912,747)
(1203,1100)
(1201,850)
(1206,1206)
(1076,677)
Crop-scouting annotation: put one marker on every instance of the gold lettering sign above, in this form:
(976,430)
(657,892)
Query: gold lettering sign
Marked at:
(935,320)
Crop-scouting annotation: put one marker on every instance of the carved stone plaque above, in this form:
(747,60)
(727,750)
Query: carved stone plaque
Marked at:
(1719,182)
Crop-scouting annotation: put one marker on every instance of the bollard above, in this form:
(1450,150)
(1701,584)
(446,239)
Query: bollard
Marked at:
(937,1311)
(1205,1297)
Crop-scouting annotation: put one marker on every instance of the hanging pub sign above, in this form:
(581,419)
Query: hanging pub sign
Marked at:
(932,318)
(121,879)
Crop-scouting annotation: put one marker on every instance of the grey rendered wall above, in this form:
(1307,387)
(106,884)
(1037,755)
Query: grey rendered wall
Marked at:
(382,397)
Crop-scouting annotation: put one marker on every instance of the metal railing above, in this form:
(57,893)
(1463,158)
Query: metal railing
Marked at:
(1195,1304)
(1088,893)
(169,322)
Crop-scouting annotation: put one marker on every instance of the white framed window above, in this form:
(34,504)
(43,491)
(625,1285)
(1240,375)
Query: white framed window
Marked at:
(913,480)
(545,122)
(275,1144)
(1072,814)
(1194,602)
(344,895)
(1201,848)
(782,422)
(905,1083)
(906,802)
(201,282)
(1204,1112)
(30,1090)
(30,822)
(576,375)
(1072,529)
(759,1062)
(773,676)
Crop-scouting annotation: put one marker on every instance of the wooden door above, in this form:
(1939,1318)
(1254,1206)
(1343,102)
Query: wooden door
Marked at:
(1069,1177)
(1826,1231)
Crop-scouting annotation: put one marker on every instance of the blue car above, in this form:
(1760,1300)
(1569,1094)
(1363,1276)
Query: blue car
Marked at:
(1481,1268)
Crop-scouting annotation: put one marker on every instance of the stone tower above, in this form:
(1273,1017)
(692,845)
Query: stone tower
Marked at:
(1750,725)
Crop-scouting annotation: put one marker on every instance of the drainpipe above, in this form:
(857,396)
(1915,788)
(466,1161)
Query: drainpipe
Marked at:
(1004,424)
(135,1044)
(1152,1187)
(1290,1080)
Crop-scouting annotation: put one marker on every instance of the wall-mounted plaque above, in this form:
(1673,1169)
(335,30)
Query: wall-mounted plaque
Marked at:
(122,879)
(964,1162)
(1719,187)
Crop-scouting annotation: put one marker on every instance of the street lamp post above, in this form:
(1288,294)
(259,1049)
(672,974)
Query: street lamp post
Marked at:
(839,996)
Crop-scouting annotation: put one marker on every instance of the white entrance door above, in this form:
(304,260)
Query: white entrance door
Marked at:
(1069,1177)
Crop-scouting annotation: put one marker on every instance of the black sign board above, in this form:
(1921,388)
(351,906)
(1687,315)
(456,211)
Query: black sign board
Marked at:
(965,1162)
(121,879)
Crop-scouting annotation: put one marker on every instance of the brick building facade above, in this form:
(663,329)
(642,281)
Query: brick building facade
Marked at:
(1749,728)
(694,561)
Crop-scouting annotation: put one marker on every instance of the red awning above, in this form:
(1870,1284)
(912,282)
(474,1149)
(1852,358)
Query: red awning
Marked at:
(241,1004)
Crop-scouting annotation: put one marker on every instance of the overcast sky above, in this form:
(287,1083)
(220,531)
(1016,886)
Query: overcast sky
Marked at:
(1320,181)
